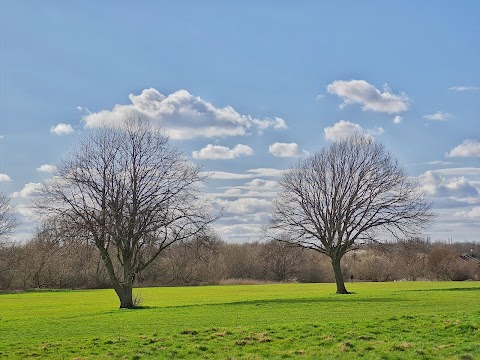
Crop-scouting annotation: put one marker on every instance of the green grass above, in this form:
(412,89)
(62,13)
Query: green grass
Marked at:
(403,320)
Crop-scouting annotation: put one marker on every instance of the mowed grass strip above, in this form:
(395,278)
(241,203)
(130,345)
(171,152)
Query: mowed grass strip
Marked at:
(430,320)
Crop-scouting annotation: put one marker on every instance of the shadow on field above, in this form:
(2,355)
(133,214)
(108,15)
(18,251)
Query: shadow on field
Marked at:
(452,289)
(267,302)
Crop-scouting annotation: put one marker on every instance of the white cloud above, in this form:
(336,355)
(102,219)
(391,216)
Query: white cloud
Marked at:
(367,95)
(5,177)
(246,205)
(469,148)
(62,129)
(458,188)
(464,88)
(266,172)
(239,232)
(258,188)
(438,116)
(216,152)
(83,109)
(184,116)
(458,171)
(47,168)
(261,184)
(344,129)
(278,124)
(376,131)
(341,130)
(233,192)
(397,119)
(252,173)
(286,150)
(223,175)
(471,213)
(29,190)
(255,186)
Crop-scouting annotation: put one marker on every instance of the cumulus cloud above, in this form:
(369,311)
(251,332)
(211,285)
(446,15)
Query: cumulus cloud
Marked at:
(278,124)
(5,177)
(286,150)
(216,152)
(184,116)
(341,130)
(344,129)
(437,185)
(438,116)
(29,190)
(469,148)
(47,168)
(464,88)
(368,96)
(397,119)
(62,129)
(261,184)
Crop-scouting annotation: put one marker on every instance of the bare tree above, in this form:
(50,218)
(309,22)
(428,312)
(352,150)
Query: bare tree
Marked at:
(130,190)
(348,193)
(8,222)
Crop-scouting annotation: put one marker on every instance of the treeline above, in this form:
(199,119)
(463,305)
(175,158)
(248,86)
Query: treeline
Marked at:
(53,261)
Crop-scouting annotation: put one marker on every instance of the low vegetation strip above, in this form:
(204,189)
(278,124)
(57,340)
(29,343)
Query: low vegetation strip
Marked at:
(402,320)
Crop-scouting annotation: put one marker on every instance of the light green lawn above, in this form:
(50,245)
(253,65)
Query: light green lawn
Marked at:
(402,320)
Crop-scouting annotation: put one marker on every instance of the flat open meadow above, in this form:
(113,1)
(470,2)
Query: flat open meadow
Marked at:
(402,320)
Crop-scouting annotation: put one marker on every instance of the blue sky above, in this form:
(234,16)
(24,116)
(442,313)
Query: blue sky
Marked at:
(247,88)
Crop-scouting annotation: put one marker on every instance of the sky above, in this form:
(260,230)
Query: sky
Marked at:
(246,89)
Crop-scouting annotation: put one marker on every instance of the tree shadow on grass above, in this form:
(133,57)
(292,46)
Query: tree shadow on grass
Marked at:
(452,289)
(267,302)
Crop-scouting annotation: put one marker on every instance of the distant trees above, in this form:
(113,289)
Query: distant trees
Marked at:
(8,221)
(52,260)
(282,260)
(133,194)
(8,254)
(350,192)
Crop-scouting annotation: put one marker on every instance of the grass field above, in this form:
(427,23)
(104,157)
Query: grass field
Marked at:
(402,320)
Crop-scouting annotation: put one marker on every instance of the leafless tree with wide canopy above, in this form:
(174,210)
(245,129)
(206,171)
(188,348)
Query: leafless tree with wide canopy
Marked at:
(350,192)
(129,189)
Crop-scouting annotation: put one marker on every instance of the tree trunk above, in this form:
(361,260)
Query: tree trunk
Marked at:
(337,270)
(125,295)
(123,289)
